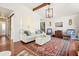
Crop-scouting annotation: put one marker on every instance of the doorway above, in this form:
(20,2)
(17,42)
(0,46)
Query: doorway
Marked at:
(5,29)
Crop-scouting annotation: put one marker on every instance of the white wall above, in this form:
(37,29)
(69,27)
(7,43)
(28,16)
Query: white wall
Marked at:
(65,20)
(23,17)
(31,21)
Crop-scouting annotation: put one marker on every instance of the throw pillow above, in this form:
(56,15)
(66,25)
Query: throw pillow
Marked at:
(28,33)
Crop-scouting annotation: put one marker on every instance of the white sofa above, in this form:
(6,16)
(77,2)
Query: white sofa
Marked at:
(42,39)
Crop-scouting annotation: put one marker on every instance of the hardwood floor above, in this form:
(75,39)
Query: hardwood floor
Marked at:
(18,47)
(4,43)
(7,44)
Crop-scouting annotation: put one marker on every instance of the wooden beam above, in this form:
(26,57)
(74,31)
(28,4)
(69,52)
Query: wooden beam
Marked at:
(40,6)
(11,15)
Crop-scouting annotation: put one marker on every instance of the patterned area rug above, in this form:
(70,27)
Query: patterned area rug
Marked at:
(52,48)
(24,53)
(55,47)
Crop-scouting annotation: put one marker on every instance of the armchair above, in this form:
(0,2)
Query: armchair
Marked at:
(71,33)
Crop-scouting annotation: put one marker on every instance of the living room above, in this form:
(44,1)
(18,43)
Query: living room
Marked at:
(33,28)
(63,22)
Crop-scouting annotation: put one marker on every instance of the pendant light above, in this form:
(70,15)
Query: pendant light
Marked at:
(49,12)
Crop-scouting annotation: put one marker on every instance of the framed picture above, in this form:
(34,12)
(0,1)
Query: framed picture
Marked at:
(70,21)
(59,24)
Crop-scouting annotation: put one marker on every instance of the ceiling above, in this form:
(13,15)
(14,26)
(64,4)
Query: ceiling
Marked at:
(59,9)
(32,5)
(65,9)
(5,12)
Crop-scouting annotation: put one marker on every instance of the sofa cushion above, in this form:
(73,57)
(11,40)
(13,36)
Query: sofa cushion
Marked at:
(28,33)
